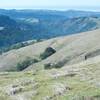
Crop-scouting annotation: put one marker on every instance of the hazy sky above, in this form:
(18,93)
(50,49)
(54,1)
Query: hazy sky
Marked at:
(51,4)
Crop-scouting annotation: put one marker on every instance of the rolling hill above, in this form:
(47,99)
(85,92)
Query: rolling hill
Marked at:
(55,52)
(24,29)
(63,68)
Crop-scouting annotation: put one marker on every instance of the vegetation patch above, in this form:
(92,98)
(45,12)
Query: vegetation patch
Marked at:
(24,64)
(48,52)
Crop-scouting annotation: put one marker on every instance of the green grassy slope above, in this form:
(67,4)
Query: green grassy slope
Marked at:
(79,82)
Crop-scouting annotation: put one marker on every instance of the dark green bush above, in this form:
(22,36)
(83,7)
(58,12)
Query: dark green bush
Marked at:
(27,62)
(48,52)
(48,66)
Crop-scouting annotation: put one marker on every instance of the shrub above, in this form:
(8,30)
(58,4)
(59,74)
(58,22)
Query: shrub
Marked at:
(48,52)
(27,62)
(48,66)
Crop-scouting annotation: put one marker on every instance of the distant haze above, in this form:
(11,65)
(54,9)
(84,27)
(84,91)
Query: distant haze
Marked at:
(51,4)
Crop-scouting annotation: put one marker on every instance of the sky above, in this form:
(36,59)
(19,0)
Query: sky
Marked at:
(51,4)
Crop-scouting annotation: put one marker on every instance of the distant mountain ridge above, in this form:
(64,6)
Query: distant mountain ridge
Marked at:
(23,25)
(48,13)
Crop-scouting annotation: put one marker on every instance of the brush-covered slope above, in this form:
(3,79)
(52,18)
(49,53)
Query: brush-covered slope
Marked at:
(55,52)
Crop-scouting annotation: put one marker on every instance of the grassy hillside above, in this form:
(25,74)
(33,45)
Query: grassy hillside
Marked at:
(77,82)
(64,68)
(61,51)
(72,49)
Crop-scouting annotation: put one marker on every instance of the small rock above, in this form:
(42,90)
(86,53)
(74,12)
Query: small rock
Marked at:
(60,89)
(46,98)
(14,90)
